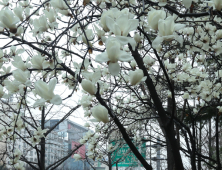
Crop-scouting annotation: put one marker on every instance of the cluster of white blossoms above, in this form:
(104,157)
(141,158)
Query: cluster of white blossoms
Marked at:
(112,56)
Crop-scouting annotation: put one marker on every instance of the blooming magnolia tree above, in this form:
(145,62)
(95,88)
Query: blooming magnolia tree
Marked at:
(143,67)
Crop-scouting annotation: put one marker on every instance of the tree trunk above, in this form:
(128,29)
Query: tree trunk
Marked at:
(42,151)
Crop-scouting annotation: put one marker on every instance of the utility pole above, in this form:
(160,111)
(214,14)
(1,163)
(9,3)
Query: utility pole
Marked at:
(157,158)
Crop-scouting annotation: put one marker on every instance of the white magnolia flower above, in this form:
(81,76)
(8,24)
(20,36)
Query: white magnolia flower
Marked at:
(45,91)
(86,125)
(166,29)
(5,3)
(60,4)
(20,166)
(51,15)
(122,25)
(112,55)
(1,58)
(35,140)
(154,16)
(25,4)
(88,84)
(40,25)
(20,64)
(89,36)
(39,62)
(22,76)
(13,86)
(18,12)
(217,4)
(1,91)
(100,113)
(8,20)
(136,77)
(17,154)
(40,133)
(137,38)
(162,2)
(113,13)
(186,96)
(77,157)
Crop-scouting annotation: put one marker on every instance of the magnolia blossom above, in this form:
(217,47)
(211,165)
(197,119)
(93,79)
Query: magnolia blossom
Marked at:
(88,84)
(18,12)
(110,13)
(1,58)
(1,91)
(13,86)
(100,113)
(186,96)
(39,62)
(154,16)
(45,91)
(40,133)
(136,77)
(162,2)
(166,29)
(89,37)
(61,6)
(8,20)
(112,55)
(17,154)
(122,25)
(22,76)
(40,25)
(34,140)
(217,4)
(20,64)
(51,15)
(77,157)
(19,165)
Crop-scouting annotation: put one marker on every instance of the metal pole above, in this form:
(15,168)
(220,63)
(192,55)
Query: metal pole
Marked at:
(158,153)
(139,163)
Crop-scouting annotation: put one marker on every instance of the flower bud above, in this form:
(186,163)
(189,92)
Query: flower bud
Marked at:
(136,76)
(88,86)
(100,113)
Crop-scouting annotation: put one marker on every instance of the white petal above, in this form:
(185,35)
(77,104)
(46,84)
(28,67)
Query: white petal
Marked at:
(125,40)
(94,120)
(158,41)
(162,3)
(28,83)
(102,58)
(96,76)
(124,56)
(56,100)
(52,84)
(110,23)
(144,79)
(39,102)
(179,39)
(179,26)
(45,64)
(187,3)
(114,69)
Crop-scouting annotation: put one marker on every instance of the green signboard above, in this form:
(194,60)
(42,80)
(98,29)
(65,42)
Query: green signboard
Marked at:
(125,157)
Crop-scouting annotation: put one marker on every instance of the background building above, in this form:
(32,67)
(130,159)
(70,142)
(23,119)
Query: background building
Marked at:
(71,132)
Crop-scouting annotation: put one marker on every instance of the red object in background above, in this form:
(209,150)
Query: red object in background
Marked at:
(81,150)
(69,126)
